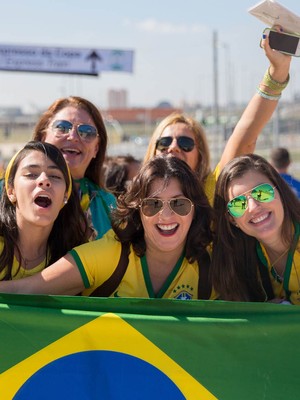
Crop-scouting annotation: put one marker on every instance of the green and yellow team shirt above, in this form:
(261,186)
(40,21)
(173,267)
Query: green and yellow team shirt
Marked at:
(97,261)
(289,288)
(17,271)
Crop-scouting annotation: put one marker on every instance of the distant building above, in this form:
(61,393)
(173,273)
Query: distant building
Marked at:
(117,99)
(10,111)
(139,115)
(164,104)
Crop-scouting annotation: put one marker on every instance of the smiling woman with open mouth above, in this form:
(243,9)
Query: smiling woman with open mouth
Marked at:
(37,208)
(158,247)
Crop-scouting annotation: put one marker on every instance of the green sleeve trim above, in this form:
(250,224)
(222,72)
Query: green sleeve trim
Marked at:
(81,268)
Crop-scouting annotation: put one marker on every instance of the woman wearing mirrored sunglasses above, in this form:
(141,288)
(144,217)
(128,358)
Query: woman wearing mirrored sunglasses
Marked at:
(182,136)
(165,219)
(256,250)
(76,127)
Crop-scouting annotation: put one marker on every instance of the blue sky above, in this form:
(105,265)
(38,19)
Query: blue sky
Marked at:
(172,40)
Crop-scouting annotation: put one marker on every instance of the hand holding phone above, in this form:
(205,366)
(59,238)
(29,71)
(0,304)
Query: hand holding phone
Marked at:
(287,43)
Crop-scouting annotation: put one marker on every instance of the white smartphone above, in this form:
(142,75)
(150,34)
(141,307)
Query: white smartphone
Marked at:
(287,43)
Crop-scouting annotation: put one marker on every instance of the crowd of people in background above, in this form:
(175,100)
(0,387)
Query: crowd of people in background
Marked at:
(119,171)
(166,226)
(281,161)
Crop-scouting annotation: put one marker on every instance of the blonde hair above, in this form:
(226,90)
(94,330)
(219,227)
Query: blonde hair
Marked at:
(203,164)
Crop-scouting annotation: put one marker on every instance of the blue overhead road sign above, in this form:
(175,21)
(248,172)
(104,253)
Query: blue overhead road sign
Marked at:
(64,60)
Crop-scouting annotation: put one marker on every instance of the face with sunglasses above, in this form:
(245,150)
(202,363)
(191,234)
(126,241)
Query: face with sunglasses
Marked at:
(178,140)
(255,205)
(73,131)
(166,216)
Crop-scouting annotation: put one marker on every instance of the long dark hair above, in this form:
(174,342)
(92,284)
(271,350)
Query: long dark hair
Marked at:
(93,171)
(235,263)
(166,168)
(70,227)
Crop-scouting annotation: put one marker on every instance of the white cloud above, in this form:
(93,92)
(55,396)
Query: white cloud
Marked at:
(163,27)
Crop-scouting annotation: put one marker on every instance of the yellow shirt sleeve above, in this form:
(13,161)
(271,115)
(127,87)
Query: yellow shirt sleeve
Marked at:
(97,260)
(210,184)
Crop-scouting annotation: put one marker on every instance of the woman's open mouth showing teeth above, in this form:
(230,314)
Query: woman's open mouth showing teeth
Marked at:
(43,201)
(259,219)
(70,151)
(167,229)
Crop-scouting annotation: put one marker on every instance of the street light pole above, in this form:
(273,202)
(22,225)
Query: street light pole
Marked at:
(216,77)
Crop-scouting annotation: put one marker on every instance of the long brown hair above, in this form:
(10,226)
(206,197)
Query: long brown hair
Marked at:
(235,262)
(69,229)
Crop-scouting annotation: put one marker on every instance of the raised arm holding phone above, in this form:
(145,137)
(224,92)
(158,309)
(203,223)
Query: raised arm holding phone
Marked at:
(183,137)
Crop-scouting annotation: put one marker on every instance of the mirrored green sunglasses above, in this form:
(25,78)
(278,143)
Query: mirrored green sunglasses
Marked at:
(263,193)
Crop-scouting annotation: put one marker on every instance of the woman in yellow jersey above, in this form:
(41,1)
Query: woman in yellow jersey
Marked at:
(37,208)
(256,252)
(165,218)
(182,136)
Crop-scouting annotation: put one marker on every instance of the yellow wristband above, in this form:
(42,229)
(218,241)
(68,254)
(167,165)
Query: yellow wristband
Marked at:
(272,84)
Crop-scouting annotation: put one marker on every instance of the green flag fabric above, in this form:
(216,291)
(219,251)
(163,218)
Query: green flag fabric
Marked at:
(72,347)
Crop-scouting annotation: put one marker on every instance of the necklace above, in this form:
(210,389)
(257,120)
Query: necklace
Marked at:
(280,257)
(27,261)
(279,277)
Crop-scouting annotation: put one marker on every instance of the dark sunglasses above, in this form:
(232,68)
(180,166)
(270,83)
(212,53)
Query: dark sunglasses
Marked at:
(180,206)
(263,193)
(85,131)
(185,143)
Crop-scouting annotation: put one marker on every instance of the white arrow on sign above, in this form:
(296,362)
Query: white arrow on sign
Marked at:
(64,60)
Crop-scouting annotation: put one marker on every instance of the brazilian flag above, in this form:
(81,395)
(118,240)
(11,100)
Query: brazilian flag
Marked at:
(65,347)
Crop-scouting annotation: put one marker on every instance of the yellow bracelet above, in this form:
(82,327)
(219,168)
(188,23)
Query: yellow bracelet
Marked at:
(269,91)
(274,85)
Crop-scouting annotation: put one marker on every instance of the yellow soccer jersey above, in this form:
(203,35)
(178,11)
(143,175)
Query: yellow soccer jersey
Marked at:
(290,287)
(210,184)
(18,273)
(97,261)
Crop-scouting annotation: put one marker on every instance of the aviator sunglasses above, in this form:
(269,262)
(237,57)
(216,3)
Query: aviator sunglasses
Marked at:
(263,193)
(180,206)
(185,143)
(85,131)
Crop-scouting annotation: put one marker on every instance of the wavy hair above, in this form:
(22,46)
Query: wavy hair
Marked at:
(127,220)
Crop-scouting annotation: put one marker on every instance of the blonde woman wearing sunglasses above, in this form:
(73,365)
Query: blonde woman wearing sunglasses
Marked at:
(181,136)
(256,252)
(165,220)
